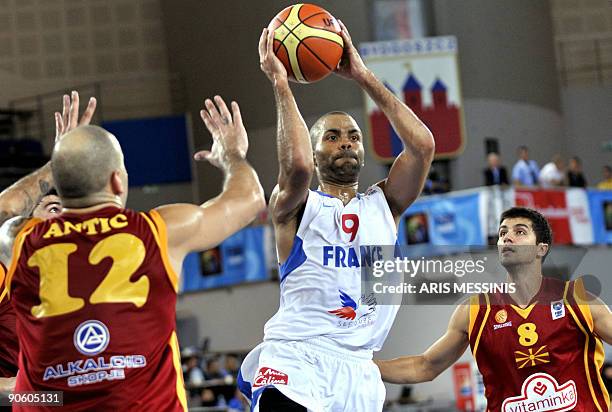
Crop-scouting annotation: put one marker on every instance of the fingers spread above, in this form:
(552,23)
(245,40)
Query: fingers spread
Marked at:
(89,112)
(73,114)
(59,126)
(213,112)
(236,113)
(226,116)
(65,109)
(212,128)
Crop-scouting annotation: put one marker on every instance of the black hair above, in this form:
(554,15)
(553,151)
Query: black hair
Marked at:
(539,223)
(51,192)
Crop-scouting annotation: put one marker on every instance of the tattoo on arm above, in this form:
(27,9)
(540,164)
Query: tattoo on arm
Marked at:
(44,187)
(21,198)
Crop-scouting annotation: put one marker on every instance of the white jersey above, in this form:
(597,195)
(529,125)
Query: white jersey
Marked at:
(320,291)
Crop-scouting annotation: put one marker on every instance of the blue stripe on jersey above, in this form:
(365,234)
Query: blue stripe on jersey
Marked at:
(244,386)
(295,259)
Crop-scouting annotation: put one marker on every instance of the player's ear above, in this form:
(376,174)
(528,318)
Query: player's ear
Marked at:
(542,249)
(117,183)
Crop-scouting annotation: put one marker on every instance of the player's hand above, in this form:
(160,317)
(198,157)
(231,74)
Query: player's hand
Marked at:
(230,140)
(351,66)
(7,385)
(268,62)
(69,118)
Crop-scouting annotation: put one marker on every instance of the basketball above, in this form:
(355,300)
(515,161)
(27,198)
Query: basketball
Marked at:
(307,40)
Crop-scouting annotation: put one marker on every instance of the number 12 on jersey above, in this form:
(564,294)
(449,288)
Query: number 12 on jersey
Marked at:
(127,253)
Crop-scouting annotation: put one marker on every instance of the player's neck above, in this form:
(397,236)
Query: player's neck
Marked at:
(344,192)
(91,203)
(527,281)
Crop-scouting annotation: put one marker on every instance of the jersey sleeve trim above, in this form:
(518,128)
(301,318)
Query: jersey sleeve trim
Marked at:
(580,297)
(474,303)
(2,284)
(176,361)
(158,229)
(19,239)
(482,324)
(587,338)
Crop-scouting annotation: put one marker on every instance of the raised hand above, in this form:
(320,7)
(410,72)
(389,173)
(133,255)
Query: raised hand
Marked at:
(69,118)
(230,140)
(351,66)
(268,62)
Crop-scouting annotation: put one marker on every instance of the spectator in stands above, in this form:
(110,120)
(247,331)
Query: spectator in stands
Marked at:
(525,172)
(232,365)
(495,174)
(575,177)
(192,373)
(553,173)
(606,183)
(214,370)
(208,398)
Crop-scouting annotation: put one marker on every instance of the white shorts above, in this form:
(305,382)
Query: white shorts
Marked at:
(316,374)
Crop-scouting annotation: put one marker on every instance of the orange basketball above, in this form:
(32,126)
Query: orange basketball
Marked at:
(307,40)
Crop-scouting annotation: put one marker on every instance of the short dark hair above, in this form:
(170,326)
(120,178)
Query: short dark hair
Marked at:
(540,224)
(316,132)
(608,168)
(53,192)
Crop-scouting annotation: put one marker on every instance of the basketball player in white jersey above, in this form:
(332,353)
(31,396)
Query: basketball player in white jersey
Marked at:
(317,349)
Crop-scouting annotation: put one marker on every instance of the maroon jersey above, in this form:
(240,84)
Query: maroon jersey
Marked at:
(544,357)
(9,345)
(95,299)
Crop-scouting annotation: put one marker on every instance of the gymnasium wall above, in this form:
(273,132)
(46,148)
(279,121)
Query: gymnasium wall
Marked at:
(588,124)
(50,45)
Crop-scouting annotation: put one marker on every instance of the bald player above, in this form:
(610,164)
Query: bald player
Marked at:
(317,349)
(32,195)
(95,289)
(538,349)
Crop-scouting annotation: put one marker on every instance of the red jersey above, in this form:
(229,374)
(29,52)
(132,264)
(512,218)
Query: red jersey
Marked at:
(9,345)
(95,297)
(544,357)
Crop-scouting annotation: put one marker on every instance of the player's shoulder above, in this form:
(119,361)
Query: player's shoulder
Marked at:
(375,189)
(9,232)
(14,226)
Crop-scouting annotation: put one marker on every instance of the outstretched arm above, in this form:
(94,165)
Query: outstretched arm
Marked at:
(292,139)
(442,354)
(192,227)
(21,198)
(412,165)
(602,320)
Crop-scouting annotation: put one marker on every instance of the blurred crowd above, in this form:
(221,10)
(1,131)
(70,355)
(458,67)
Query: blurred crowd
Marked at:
(211,379)
(558,172)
